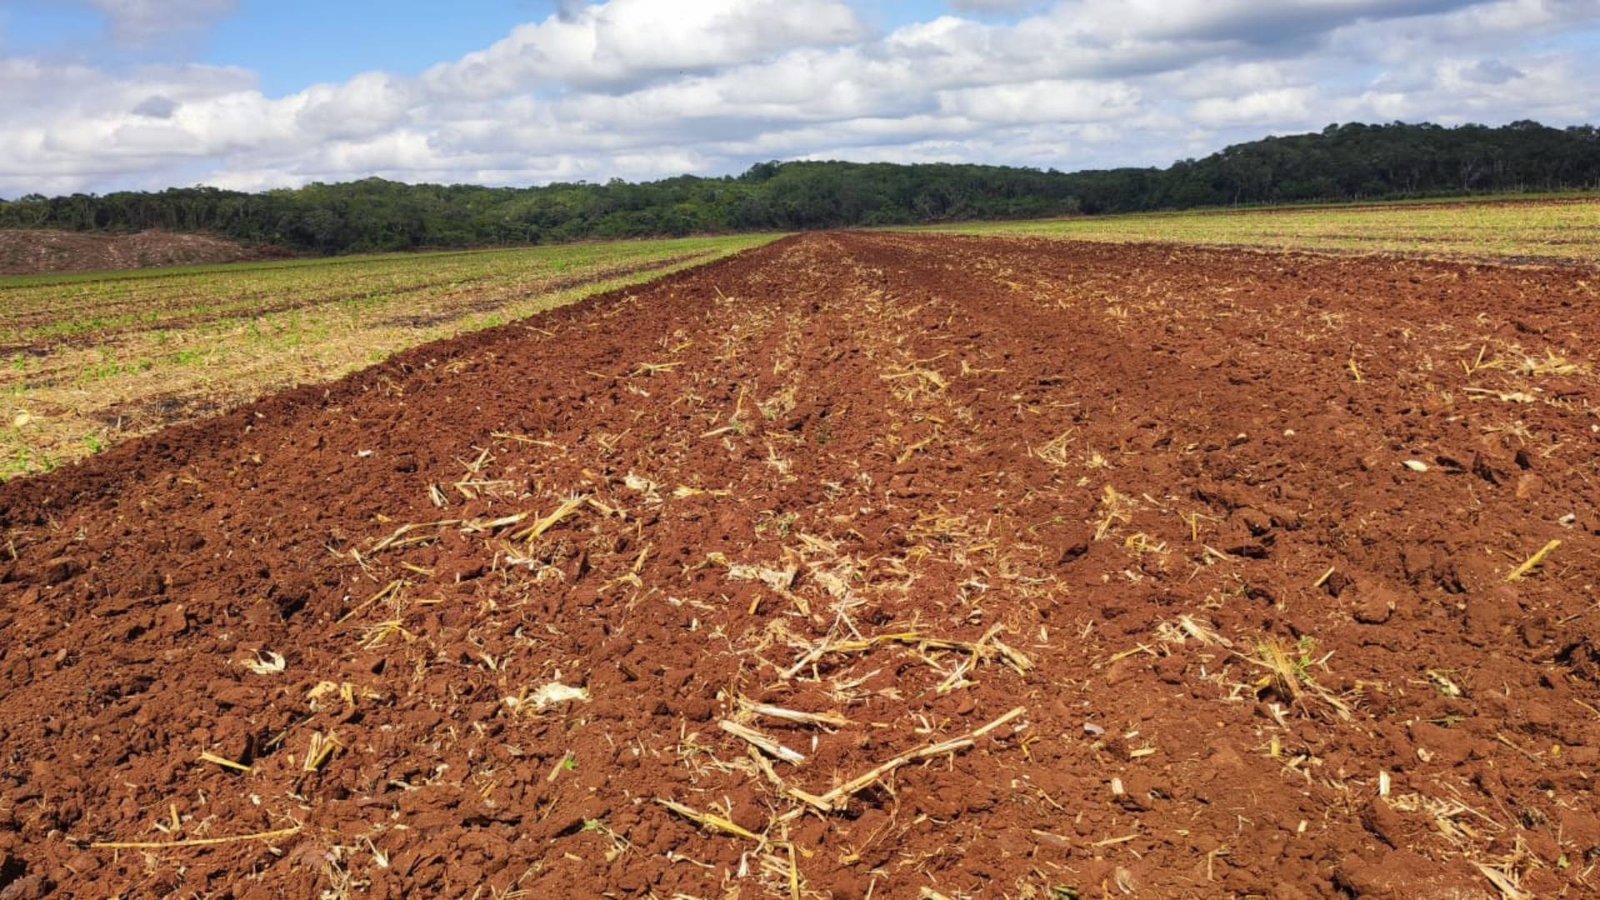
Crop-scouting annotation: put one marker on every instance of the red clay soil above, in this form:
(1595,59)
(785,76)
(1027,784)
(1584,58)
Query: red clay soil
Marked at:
(26,251)
(1044,570)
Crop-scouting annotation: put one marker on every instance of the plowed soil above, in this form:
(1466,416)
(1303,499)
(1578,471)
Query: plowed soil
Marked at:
(1042,570)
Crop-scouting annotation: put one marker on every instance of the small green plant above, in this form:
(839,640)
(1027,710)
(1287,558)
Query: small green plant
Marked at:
(1306,647)
(619,844)
(26,461)
(1288,676)
(780,524)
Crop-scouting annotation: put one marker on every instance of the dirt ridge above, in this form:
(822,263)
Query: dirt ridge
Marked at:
(33,251)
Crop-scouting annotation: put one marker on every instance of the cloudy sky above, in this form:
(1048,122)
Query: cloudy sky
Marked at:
(99,95)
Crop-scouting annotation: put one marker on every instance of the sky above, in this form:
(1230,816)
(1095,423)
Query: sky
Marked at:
(102,95)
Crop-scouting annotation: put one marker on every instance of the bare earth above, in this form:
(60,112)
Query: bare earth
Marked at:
(39,251)
(855,565)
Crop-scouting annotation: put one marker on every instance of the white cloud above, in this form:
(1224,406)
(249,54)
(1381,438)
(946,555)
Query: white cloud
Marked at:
(992,6)
(366,105)
(616,43)
(1280,105)
(649,88)
(148,21)
(1454,91)
(1054,100)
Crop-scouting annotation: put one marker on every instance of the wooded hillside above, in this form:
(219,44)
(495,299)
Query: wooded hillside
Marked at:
(1342,162)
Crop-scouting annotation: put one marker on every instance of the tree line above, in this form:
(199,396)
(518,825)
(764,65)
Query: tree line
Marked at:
(1341,162)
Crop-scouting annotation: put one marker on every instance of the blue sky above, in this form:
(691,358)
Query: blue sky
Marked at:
(100,95)
(292,44)
(354,36)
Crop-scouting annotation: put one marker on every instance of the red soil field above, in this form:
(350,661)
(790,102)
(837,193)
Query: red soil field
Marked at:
(857,565)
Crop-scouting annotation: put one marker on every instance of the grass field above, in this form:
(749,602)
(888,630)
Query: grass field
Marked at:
(86,360)
(1534,229)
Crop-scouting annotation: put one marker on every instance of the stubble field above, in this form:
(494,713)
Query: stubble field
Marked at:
(87,361)
(1558,229)
(856,565)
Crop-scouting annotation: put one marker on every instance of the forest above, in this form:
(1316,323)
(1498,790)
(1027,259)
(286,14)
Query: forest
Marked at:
(1346,162)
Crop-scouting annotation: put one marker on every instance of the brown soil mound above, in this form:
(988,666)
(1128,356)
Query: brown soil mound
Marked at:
(38,252)
(857,565)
